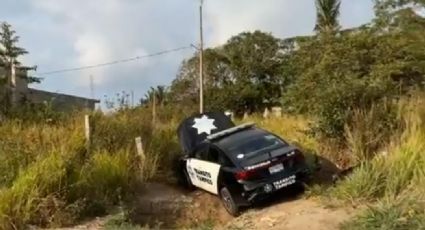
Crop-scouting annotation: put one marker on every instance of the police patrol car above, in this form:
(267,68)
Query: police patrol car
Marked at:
(241,164)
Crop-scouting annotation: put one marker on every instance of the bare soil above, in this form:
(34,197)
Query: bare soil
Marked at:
(173,208)
(301,214)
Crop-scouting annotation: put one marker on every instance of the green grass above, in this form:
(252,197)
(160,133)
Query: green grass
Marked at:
(403,212)
(119,222)
(393,185)
(49,178)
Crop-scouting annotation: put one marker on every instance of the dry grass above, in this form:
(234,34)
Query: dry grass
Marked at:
(50,179)
(394,181)
(369,131)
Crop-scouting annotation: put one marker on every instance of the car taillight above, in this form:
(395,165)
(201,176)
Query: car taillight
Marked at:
(245,174)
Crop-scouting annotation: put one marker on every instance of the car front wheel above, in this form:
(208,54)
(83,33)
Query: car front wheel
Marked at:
(228,202)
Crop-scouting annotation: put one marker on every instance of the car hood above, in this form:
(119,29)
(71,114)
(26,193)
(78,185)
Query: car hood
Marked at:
(195,129)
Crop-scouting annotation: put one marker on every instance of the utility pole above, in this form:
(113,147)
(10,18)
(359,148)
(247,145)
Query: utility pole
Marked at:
(132,98)
(91,91)
(154,108)
(201,53)
(91,87)
(13,89)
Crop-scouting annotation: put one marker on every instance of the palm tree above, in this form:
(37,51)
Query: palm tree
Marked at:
(160,94)
(327,16)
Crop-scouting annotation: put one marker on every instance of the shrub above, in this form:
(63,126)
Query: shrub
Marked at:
(335,76)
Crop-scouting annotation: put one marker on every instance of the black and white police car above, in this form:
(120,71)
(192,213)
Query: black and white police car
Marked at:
(241,164)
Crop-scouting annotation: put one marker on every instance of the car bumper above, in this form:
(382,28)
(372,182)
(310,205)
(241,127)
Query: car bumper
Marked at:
(258,190)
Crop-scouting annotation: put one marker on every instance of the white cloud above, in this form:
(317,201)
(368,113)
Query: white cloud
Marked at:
(282,18)
(70,33)
(92,49)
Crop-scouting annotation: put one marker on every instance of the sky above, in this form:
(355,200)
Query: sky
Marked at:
(61,34)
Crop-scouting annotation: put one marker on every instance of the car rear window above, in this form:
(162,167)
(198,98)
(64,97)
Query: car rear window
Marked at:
(250,144)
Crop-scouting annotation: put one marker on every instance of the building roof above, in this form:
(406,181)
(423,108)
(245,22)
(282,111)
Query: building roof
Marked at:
(53,94)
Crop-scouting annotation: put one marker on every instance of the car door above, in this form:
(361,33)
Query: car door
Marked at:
(203,172)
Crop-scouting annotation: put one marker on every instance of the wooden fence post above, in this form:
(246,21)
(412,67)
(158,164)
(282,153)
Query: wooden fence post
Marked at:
(87,131)
(154,108)
(139,147)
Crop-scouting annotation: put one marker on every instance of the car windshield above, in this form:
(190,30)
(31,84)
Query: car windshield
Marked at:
(250,143)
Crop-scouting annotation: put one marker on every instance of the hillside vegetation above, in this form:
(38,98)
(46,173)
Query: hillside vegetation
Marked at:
(393,182)
(353,97)
(50,178)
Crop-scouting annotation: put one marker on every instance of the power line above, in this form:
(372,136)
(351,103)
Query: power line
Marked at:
(114,62)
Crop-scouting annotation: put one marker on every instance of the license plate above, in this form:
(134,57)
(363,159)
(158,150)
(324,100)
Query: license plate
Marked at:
(276,168)
(285,182)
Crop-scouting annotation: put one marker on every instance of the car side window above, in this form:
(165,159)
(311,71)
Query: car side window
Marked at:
(201,153)
(225,161)
(216,156)
(213,155)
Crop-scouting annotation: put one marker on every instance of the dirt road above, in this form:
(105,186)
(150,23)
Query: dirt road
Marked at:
(298,214)
(285,211)
(179,209)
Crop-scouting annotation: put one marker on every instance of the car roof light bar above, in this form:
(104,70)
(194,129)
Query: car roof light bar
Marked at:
(230,131)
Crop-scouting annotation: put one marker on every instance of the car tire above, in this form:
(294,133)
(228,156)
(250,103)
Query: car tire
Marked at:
(228,202)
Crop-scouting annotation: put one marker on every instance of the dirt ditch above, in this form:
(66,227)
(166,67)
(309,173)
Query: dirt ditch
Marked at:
(170,207)
(173,208)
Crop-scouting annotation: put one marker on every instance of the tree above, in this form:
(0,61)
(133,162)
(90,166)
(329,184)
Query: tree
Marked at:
(160,93)
(10,52)
(217,76)
(327,16)
(255,60)
(244,74)
(390,13)
(357,70)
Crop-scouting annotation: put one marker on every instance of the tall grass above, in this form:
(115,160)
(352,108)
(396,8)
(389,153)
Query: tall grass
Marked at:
(48,178)
(369,130)
(395,180)
(406,211)
(117,132)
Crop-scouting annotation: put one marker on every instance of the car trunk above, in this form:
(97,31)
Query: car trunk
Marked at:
(270,163)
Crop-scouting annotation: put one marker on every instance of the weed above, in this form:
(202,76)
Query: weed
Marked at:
(395,181)
(49,179)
